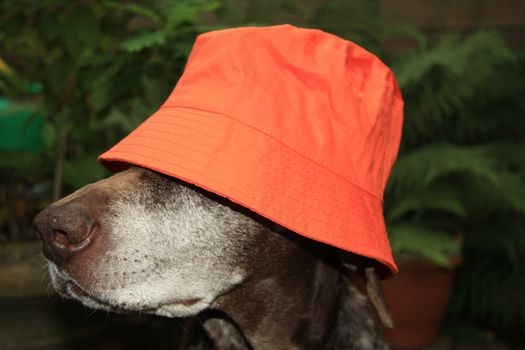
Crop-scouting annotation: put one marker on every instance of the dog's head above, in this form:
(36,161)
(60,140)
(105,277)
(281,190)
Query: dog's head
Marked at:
(142,241)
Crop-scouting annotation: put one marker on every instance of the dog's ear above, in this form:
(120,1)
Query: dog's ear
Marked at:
(355,266)
(375,294)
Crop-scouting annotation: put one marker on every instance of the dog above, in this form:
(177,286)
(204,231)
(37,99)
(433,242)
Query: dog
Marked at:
(141,241)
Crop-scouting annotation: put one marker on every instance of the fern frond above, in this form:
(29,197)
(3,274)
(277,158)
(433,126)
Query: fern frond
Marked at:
(500,234)
(482,197)
(490,284)
(419,240)
(438,82)
(509,155)
(144,40)
(442,198)
(456,57)
(421,167)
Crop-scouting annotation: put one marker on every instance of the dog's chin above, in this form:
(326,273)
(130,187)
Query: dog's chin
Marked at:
(73,291)
(70,289)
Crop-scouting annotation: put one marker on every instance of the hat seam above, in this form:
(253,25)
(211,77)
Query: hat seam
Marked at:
(308,157)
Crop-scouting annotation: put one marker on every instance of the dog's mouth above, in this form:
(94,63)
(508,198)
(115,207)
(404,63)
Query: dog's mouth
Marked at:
(69,288)
(74,291)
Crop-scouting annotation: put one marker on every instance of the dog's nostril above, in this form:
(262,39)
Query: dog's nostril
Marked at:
(61,238)
(73,238)
(65,230)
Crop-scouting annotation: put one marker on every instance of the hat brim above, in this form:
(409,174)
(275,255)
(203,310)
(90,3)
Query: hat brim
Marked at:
(249,167)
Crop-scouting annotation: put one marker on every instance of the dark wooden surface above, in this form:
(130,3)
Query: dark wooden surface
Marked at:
(438,16)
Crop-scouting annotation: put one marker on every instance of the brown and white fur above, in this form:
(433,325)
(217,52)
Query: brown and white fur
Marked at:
(140,241)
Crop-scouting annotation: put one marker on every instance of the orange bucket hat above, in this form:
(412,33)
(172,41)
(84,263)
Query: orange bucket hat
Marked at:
(295,124)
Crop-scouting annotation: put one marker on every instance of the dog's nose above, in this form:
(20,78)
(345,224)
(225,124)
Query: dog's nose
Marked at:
(64,229)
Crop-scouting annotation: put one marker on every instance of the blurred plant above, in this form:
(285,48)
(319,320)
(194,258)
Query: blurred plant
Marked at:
(461,169)
(449,144)
(98,64)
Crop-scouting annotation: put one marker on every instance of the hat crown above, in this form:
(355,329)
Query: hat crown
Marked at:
(324,97)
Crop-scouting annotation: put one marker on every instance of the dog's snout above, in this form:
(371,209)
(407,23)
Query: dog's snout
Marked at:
(64,229)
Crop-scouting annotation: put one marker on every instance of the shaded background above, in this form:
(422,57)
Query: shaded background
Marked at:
(77,76)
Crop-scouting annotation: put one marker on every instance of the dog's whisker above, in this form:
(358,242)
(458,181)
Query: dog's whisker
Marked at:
(181,325)
(45,274)
(93,311)
(106,318)
(49,289)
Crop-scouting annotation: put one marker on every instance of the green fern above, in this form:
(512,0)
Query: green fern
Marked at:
(413,239)
(490,284)
(439,197)
(144,40)
(462,166)
(422,166)
(439,81)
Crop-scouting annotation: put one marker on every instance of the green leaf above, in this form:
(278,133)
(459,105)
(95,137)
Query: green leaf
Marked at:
(154,91)
(80,30)
(455,56)
(508,154)
(484,198)
(512,189)
(126,122)
(416,239)
(20,163)
(11,83)
(144,40)
(444,198)
(49,135)
(103,88)
(83,170)
(180,12)
(442,85)
(137,9)
(420,167)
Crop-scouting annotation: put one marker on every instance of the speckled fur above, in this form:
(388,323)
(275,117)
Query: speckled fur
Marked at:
(164,247)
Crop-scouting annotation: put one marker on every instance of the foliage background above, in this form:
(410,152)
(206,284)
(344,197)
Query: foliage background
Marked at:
(88,72)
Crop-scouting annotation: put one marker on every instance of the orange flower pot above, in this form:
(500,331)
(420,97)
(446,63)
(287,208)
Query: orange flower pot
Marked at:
(417,297)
